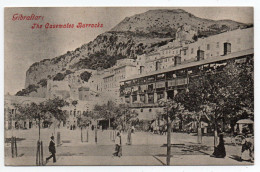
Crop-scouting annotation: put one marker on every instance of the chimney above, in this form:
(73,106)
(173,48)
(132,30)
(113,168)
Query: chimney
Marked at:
(227,48)
(177,60)
(157,65)
(141,69)
(200,55)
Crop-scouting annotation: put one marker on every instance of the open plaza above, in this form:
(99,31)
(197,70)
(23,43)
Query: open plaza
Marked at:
(146,149)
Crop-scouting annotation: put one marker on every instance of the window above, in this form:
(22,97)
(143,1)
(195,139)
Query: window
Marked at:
(184,52)
(141,110)
(208,46)
(238,40)
(217,45)
(191,51)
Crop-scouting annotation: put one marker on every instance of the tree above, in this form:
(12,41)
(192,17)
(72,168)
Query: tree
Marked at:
(172,110)
(193,100)
(43,82)
(124,116)
(59,77)
(120,114)
(54,108)
(85,76)
(220,94)
(28,90)
(107,111)
(74,103)
(239,93)
(83,121)
(44,111)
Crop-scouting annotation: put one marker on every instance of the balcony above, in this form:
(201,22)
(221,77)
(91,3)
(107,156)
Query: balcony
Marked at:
(150,90)
(142,105)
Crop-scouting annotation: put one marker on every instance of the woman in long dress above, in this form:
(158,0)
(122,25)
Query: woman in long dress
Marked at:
(220,151)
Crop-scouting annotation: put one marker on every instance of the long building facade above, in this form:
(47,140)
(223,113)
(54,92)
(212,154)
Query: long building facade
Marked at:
(143,91)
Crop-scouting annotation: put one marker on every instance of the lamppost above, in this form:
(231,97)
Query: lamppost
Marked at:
(168,137)
(165,105)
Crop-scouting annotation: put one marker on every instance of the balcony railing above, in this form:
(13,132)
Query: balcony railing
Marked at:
(140,105)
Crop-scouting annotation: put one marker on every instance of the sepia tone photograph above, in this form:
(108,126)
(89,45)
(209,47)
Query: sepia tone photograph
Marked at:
(128,86)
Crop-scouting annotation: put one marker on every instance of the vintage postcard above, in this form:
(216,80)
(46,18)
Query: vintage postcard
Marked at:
(146,86)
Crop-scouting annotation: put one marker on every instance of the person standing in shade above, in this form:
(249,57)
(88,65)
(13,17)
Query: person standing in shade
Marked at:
(118,146)
(247,148)
(220,151)
(52,150)
(133,129)
(129,138)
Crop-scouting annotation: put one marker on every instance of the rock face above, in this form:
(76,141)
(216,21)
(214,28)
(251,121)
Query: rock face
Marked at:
(163,21)
(136,35)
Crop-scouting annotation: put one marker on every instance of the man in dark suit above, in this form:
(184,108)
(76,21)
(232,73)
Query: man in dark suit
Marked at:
(52,150)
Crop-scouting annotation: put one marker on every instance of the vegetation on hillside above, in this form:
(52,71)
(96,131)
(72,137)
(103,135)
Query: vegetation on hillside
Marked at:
(28,90)
(85,76)
(61,76)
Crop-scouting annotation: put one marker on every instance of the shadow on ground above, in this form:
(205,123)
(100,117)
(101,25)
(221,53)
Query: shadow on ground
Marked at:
(238,158)
(8,140)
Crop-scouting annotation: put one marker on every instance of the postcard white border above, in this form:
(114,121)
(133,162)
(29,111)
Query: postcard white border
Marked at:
(150,3)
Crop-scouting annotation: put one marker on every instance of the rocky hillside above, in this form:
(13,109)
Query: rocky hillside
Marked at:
(165,21)
(141,33)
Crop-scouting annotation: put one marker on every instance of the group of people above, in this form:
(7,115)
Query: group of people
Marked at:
(159,129)
(247,149)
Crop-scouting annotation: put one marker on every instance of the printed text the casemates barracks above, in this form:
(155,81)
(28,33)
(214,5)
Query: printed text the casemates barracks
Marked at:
(79,25)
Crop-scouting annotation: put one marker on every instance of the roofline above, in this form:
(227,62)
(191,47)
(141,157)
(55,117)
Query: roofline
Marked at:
(162,58)
(195,63)
(124,66)
(108,76)
(173,48)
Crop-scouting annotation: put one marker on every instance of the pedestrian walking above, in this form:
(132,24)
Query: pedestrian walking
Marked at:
(129,138)
(133,129)
(220,151)
(152,129)
(165,129)
(52,150)
(118,146)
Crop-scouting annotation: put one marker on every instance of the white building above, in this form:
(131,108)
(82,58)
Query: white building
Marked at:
(176,52)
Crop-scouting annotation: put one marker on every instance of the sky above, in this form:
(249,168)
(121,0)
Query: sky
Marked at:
(24,46)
